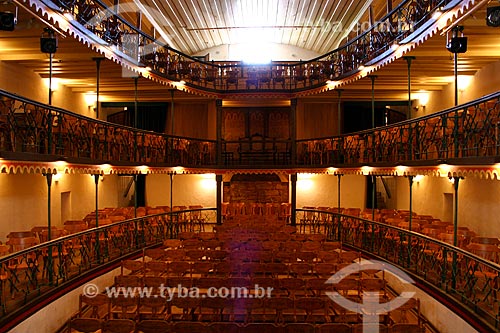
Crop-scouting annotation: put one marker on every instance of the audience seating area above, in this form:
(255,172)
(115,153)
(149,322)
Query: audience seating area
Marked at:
(279,276)
(486,247)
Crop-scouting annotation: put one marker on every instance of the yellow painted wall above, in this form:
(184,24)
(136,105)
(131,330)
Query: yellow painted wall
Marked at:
(23,199)
(321,191)
(188,190)
(478,201)
(32,86)
(484,82)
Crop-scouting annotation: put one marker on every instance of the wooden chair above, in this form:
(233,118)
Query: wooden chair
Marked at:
(153,307)
(124,307)
(93,307)
(224,327)
(84,325)
(155,268)
(360,328)
(191,327)
(153,326)
(299,328)
(334,328)
(261,327)
(406,328)
(132,267)
(118,326)
(311,309)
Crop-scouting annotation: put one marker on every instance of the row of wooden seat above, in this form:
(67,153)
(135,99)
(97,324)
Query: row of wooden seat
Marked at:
(234,268)
(89,325)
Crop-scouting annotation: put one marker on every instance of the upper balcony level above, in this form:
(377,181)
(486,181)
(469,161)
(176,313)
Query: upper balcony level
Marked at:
(101,27)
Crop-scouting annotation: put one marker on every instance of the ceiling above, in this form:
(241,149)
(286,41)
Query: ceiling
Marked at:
(73,65)
(192,26)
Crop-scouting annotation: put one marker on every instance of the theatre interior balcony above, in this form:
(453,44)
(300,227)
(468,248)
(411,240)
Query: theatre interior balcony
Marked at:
(153,179)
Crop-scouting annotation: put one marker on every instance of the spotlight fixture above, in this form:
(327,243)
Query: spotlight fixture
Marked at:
(457,44)
(8,19)
(48,41)
(493,16)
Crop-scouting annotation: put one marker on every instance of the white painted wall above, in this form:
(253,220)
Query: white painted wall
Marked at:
(273,51)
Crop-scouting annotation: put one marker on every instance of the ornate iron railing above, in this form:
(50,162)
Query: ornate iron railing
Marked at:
(35,272)
(468,279)
(469,130)
(28,126)
(466,131)
(143,50)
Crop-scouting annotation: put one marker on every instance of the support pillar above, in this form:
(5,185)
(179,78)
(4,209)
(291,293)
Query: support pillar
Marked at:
(339,112)
(339,225)
(293,185)
(455,210)
(372,78)
(218,179)
(218,106)
(98,79)
(97,245)
(410,183)
(408,61)
(50,266)
(172,113)
(135,195)
(136,79)
(374,194)
(171,196)
(293,134)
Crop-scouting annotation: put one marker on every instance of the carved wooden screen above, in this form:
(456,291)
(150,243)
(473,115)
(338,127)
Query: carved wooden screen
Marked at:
(270,122)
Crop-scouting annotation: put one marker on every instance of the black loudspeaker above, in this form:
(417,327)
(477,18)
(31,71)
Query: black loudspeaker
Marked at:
(48,44)
(7,21)
(493,16)
(457,45)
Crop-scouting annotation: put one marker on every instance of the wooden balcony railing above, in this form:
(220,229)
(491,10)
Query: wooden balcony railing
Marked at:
(30,127)
(30,275)
(143,50)
(469,281)
(34,131)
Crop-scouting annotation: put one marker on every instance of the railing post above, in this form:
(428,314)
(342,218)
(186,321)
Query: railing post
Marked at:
(293,185)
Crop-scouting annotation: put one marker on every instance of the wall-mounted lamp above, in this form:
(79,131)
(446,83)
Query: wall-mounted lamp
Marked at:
(57,177)
(418,178)
(463,82)
(91,100)
(52,84)
(422,99)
